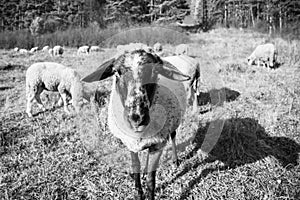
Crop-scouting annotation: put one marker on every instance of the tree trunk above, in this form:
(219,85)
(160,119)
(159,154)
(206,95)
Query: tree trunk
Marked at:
(280,20)
(252,16)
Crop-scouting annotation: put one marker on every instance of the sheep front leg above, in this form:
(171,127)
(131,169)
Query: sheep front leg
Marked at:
(154,156)
(30,98)
(136,168)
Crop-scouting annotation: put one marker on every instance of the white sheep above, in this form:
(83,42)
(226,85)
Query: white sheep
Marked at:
(52,77)
(95,49)
(16,49)
(146,104)
(46,48)
(83,50)
(34,49)
(182,49)
(58,50)
(24,51)
(157,47)
(265,53)
(189,66)
(51,52)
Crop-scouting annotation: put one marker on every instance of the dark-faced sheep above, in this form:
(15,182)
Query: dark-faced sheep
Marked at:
(146,105)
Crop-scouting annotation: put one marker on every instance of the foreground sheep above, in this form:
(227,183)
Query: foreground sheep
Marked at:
(265,53)
(58,50)
(83,50)
(189,66)
(146,105)
(52,77)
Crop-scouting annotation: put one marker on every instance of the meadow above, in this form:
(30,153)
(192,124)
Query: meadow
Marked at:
(242,143)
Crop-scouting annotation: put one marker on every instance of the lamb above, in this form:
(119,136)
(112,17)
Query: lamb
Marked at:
(83,50)
(146,104)
(265,53)
(34,49)
(190,66)
(94,49)
(52,77)
(58,50)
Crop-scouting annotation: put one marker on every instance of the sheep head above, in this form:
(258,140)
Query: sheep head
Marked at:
(136,75)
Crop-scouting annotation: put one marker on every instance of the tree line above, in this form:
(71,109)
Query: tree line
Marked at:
(42,16)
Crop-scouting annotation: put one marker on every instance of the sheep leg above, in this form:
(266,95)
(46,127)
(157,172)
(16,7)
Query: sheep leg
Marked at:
(38,98)
(154,156)
(30,98)
(174,150)
(136,168)
(64,98)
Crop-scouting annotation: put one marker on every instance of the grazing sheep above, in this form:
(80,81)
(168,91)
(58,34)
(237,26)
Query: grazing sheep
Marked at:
(146,105)
(181,49)
(52,77)
(83,50)
(157,47)
(45,48)
(23,51)
(16,49)
(58,50)
(94,49)
(265,53)
(34,49)
(189,66)
(51,52)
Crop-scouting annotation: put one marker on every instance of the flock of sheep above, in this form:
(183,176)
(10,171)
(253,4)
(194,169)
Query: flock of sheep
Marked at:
(149,95)
(58,50)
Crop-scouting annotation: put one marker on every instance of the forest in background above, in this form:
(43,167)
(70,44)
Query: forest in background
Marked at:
(36,19)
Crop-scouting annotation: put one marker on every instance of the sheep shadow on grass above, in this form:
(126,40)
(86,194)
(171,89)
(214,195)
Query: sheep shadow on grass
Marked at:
(241,141)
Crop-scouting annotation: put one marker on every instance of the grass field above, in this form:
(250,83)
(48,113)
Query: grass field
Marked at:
(243,142)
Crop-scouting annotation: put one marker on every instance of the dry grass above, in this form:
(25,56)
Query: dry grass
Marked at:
(242,144)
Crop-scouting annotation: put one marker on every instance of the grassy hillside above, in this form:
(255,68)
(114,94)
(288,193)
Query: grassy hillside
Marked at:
(243,142)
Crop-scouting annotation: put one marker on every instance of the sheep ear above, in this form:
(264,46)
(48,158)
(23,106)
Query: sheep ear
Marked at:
(104,71)
(171,72)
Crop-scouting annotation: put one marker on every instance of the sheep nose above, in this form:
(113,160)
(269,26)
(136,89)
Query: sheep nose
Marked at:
(135,118)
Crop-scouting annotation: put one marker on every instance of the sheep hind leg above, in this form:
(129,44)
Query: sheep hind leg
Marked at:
(136,175)
(154,156)
(64,99)
(38,99)
(174,150)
